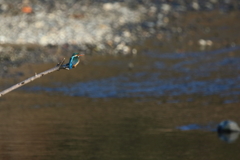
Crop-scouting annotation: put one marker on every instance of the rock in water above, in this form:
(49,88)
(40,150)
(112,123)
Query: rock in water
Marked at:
(228,126)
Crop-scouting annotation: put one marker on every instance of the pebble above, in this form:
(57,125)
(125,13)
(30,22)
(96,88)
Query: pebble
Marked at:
(166,8)
(195,5)
(203,42)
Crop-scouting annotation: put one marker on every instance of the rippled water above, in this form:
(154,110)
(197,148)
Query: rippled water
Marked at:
(204,73)
(124,86)
(115,117)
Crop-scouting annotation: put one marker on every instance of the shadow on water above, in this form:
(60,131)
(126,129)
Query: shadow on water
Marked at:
(172,74)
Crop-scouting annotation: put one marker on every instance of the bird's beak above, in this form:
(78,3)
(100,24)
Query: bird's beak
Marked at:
(81,55)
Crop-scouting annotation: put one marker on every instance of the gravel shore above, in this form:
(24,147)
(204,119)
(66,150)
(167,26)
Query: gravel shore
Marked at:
(42,31)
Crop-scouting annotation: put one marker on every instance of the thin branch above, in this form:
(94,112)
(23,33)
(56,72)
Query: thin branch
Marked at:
(58,67)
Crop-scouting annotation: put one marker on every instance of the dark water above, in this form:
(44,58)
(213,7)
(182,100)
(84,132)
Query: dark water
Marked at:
(87,132)
(112,118)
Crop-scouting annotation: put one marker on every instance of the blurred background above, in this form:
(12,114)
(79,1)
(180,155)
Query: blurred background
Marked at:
(157,78)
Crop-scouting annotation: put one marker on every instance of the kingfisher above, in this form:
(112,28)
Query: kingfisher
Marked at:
(73,61)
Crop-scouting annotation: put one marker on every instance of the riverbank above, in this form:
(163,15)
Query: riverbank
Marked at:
(163,26)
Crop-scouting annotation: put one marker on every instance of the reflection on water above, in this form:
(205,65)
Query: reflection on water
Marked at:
(123,86)
(203,73)
(228,137)
(209,127)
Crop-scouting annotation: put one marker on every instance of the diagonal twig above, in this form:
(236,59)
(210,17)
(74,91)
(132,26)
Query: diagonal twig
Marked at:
(58,67)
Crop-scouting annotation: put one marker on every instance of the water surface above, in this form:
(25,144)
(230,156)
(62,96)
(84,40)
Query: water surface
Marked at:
(165,74)
(161,109)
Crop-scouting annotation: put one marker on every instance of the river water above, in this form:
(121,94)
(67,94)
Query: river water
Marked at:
(172,74)
(165,107)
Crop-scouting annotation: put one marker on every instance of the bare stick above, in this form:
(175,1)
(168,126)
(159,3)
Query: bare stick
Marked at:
(58,67)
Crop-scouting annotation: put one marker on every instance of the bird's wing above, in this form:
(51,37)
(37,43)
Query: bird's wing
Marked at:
(71,61)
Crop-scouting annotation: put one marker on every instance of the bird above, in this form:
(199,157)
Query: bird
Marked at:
(73,61)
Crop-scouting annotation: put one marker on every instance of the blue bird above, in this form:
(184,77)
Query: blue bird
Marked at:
(73,61)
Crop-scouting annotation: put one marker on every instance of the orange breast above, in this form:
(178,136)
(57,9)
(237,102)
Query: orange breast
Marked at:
(75,65)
